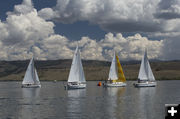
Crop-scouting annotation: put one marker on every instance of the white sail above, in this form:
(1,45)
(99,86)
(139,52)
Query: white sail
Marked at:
(113,69)
(145,72)
(150,73)
(142,72)
(36,79)
(76,72)
(28,78)
(31,76)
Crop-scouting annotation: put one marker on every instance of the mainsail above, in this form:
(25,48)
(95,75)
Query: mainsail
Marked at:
(76,72)
(113,69)
(116,73)
(145,72)
(31,76)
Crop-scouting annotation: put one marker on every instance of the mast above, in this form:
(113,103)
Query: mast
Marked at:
(33,71)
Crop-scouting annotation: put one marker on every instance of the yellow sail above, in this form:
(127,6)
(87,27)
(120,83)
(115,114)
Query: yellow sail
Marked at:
(121,77)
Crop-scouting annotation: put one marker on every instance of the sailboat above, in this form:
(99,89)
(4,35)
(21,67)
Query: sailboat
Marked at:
(145,77)
(116,75)
(76,79)
(31,79)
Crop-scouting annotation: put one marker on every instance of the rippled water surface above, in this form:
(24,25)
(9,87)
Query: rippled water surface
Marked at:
(51,101)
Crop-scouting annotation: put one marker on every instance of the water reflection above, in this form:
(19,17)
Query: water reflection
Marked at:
(53,102)
(116,91)
(76,93)
(9,100)
(30,103)
(145,103)
(75,103)
(114,102)
(30,92)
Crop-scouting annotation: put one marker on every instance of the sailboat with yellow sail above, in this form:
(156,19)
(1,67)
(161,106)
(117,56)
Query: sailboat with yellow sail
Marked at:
(116,75)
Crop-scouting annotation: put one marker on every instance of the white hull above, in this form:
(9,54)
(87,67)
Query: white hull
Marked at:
(117,84)
(145,84)
(75,86)
(31,86)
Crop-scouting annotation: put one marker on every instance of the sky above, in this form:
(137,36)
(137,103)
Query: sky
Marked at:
(51,29)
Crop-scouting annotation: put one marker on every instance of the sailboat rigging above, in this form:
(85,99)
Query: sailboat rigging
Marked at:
(76,79)
(116,76)
(31,79)
(145,77)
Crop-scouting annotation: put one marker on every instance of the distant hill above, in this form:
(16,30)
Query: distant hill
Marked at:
(94,70)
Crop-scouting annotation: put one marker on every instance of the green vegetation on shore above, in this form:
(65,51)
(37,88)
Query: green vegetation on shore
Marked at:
(94,70)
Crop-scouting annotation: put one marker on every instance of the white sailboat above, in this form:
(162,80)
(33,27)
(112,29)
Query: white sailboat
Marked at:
(31,79)
(145,77)
(76,79)
(116,75)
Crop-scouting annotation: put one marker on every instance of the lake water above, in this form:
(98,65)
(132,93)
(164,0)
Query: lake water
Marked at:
(51,101)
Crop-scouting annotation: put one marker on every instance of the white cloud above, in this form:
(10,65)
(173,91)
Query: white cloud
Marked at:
(91,49)
(28,32)
(25,7)
(47,13)
(25,33)
(55,47)
(112,15)
(147,16)
(131,47)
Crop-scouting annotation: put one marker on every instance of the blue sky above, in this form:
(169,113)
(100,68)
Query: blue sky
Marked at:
(50,29)
(73,31)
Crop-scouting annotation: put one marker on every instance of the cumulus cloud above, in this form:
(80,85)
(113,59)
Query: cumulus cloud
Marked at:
(158,19)
(25,7)
(28,32)
(23,30)
(55,47)
(168,9)
(91,49)
(146,16)
(130,48)
(47,13)
(115,15)
(112,15)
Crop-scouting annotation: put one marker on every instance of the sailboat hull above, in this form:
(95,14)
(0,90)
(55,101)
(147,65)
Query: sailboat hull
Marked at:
(75,86)
(145,84)
(30,86)
(116,84)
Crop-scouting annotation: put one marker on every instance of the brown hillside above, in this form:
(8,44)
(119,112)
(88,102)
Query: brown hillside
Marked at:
(94,70)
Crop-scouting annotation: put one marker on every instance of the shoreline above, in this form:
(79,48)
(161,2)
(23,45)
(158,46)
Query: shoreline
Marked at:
(86,80)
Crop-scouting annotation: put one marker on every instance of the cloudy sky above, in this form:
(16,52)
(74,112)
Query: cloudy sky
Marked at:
(51,29)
